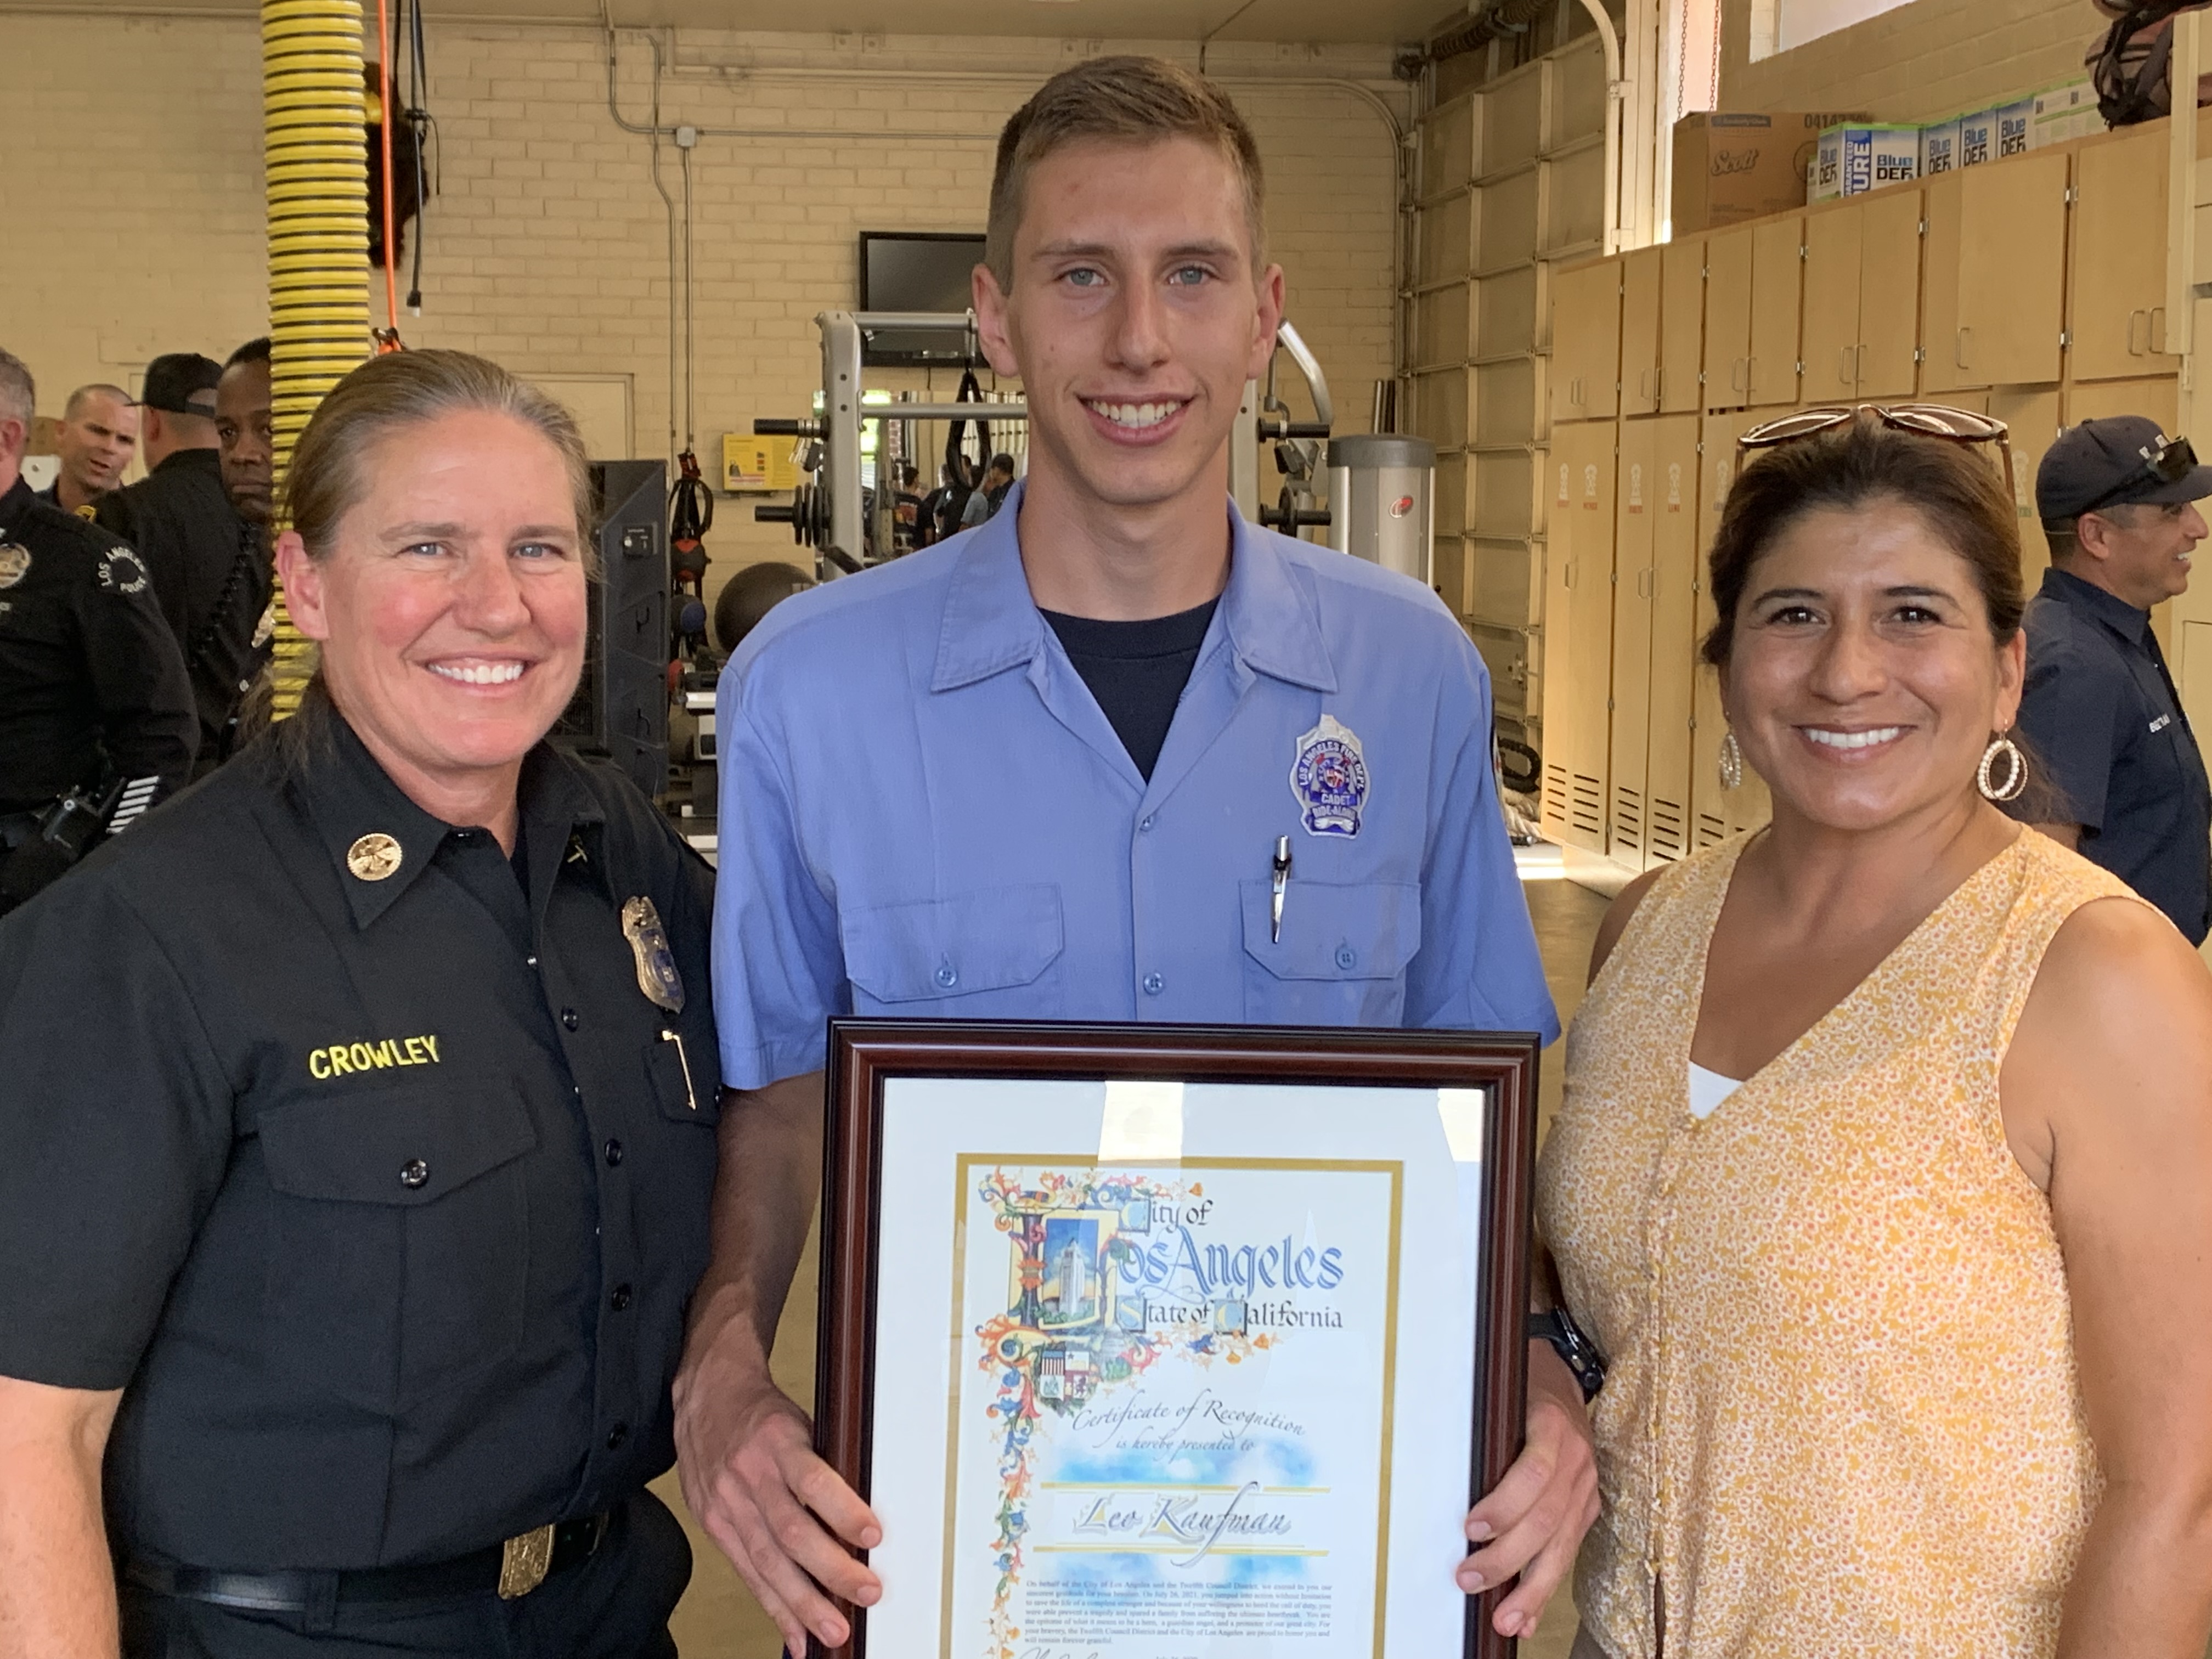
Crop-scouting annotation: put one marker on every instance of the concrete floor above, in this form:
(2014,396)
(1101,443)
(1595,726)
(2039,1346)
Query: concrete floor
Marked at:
(718,1617)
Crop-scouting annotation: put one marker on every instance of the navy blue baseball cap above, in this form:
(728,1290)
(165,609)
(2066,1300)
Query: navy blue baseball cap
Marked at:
(2118,461)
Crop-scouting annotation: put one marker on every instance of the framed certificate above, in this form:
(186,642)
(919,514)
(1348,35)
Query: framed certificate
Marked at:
(1173,1342)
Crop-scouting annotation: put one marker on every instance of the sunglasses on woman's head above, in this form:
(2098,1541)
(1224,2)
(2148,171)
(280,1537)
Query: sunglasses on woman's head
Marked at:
(1923,420)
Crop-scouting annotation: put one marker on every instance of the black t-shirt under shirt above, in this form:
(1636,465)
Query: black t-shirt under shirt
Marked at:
(1137,671)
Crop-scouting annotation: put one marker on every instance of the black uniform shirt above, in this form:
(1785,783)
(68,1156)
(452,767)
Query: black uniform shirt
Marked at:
(210,570)
(2101,714)
(381,1199)
(86,662)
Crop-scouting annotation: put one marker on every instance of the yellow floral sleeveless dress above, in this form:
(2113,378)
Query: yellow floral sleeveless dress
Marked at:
(1842,1416)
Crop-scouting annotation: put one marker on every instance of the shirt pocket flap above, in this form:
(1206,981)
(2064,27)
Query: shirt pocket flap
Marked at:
(1333,930)
(938,948)
(402,1146)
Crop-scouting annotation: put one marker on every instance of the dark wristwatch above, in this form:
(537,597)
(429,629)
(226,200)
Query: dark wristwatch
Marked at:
(1557,1327)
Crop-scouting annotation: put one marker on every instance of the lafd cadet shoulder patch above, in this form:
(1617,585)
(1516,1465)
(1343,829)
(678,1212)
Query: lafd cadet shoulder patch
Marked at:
(656,963)
(15,563)
(1329,777)
(120,571)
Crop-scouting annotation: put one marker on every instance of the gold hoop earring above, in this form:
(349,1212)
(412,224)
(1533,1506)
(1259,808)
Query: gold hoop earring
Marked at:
(2016,779)
(1731,767)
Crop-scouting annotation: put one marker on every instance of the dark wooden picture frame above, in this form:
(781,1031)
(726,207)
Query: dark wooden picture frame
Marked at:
(865,1053)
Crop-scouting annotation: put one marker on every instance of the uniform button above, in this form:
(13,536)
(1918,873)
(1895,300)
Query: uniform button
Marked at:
(413,1173)
(1346,955)
(620,1298)
(614,1150)
(947,977)
(616,1435)
(530,962)
(1153,985)
(1144,823)
(568,1018)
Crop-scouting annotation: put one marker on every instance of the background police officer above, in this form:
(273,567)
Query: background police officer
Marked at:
(358,1251)
(211,568)
(96,714)
(99,430)
(2117,499)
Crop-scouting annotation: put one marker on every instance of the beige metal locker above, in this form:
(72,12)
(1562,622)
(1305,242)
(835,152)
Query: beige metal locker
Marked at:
(1586,342)
(2012,271)
(1728,318)
(1579,632)
(1630,706)
(1681,326)
(1716,813)
(1675,575)
(1776,271)
(2032,413)
(2116,303)
(1639,331)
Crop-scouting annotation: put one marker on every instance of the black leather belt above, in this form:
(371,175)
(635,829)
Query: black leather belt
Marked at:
(512,1569)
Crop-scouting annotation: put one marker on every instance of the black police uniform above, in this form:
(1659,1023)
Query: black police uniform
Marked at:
(211,571)
(381,1203)
(92,684)
(2101,714)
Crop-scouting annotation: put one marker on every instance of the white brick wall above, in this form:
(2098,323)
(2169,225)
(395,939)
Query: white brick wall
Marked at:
(134,207)
(1922,62)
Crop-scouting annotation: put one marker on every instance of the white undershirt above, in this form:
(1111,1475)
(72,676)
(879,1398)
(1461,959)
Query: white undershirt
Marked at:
(1708,1089)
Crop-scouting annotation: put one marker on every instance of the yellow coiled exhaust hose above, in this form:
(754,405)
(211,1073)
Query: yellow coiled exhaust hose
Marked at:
(315,150)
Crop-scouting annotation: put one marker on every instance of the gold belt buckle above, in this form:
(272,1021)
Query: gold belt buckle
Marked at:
(524,1562)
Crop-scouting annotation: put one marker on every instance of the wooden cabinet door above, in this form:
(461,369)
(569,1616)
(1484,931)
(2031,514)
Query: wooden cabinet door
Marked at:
(1681,326)
(1728,318)
(1833,240)
(2012,270)
(1639,331)
(1777,273)
(1673,488)
(1585,449)
(1586,342)
(2116,303)
(1631,701)
(2033,416)
(1889,293)
(1939,289)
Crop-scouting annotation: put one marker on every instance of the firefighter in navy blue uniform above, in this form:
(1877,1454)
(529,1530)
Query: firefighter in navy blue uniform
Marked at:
(356,1257)
(96,721)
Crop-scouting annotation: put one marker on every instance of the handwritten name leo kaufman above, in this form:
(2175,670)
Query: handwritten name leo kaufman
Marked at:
(1200,1519)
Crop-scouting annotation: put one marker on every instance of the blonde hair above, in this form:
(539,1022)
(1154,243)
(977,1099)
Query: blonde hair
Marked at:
(1134,100)
(328,476)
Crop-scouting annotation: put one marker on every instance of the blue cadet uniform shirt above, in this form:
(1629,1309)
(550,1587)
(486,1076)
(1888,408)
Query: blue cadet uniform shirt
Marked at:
(926,814)
(373,1176)
(2100,714)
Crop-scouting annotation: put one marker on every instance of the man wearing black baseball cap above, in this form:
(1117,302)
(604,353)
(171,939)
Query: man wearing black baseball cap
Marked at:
(208,566)
(2116,498)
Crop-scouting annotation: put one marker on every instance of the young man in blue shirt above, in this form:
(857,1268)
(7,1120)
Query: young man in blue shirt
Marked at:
(1042,772)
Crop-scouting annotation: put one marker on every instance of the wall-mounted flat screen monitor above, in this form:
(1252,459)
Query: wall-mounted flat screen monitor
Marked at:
(916,270)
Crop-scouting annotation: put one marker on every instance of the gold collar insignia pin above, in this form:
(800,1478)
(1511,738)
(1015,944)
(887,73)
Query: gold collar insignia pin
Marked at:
(373,857)
(656,963)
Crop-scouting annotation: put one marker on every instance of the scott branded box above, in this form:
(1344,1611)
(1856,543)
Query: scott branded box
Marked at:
(1731,167)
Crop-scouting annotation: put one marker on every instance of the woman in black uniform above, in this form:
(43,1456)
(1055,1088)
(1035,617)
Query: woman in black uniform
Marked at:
(359,1111)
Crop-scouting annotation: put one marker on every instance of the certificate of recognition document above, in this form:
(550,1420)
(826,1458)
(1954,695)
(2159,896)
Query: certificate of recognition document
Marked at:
(1173,1372)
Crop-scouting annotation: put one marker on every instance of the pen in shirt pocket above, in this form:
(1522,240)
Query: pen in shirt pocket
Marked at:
(1278,886)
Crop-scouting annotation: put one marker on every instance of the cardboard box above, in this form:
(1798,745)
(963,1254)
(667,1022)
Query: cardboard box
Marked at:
(1851,161)
(1939,148)
(2014,120)
(2066,111)
(1730,166)
(1977,138)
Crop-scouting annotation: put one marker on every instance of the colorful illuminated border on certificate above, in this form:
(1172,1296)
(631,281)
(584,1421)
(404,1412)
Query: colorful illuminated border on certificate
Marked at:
(1164,1420)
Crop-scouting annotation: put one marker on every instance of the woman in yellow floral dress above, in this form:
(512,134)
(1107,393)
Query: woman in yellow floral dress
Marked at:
(1884,1174)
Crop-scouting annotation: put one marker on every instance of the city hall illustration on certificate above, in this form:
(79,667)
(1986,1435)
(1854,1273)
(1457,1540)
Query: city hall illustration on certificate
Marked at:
(1175,1411)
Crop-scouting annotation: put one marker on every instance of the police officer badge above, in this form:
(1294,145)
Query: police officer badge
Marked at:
(1329,777)
(15,563)
(656,963)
